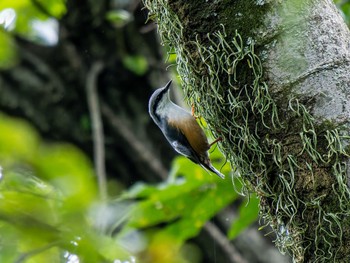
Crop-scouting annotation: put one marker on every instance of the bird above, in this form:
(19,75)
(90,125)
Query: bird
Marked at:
(181,129)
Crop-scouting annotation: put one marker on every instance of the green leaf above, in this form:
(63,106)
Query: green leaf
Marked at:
(68,170)
(186,201)
(56,8)
(8,50)
(119,18)
(18,140)
(202,210)
(248,213)
(171,58)
(136,64)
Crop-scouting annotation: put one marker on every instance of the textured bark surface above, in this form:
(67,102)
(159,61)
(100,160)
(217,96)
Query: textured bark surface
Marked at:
(275,74)
(310,56)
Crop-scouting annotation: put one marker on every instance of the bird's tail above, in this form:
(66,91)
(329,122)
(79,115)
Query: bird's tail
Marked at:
(210,167)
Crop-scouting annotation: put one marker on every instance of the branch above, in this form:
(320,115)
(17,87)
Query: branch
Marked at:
(41,8)
(128,135)
(97,127)
(45,69)
(232,253)
(25,256)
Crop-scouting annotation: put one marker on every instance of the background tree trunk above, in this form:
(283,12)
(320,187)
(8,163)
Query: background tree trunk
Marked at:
(271,78)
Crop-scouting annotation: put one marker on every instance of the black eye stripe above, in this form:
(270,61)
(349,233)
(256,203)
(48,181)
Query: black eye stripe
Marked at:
(156,102)
(156,99)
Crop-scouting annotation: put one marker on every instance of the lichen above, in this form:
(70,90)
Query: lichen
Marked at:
(277,149)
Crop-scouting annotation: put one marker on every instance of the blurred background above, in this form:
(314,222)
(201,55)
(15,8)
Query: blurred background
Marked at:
(85,175)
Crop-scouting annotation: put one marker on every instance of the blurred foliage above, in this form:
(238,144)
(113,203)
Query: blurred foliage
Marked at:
(136,64)
(8,54)
(247,215)
(27,11)
(50,207)
(188,199)
(18,18)
(119,18)
(344,7)
(47,191)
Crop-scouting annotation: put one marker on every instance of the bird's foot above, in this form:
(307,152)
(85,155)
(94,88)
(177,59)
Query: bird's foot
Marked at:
(193,112)
(215,141)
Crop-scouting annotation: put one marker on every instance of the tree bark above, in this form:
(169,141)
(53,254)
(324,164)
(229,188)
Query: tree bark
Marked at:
(271,78)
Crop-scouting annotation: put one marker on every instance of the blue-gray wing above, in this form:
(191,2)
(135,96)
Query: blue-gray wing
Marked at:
(180,143)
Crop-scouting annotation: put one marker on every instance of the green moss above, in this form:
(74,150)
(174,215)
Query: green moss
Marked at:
(245,20)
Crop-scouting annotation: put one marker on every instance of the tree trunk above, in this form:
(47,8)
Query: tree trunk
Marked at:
(272,79)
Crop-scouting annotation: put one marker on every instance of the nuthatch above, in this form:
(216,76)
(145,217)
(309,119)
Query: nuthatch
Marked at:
(180,128)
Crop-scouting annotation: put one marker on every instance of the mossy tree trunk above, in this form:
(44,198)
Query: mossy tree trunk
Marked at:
(273,78)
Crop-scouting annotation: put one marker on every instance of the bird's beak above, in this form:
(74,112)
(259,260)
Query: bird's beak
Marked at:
(167,86)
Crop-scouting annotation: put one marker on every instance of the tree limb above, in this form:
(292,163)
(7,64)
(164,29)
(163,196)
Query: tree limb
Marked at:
(97,127)
(119,126)
(232,253)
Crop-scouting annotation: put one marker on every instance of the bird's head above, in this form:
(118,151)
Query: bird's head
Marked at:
(158,103)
